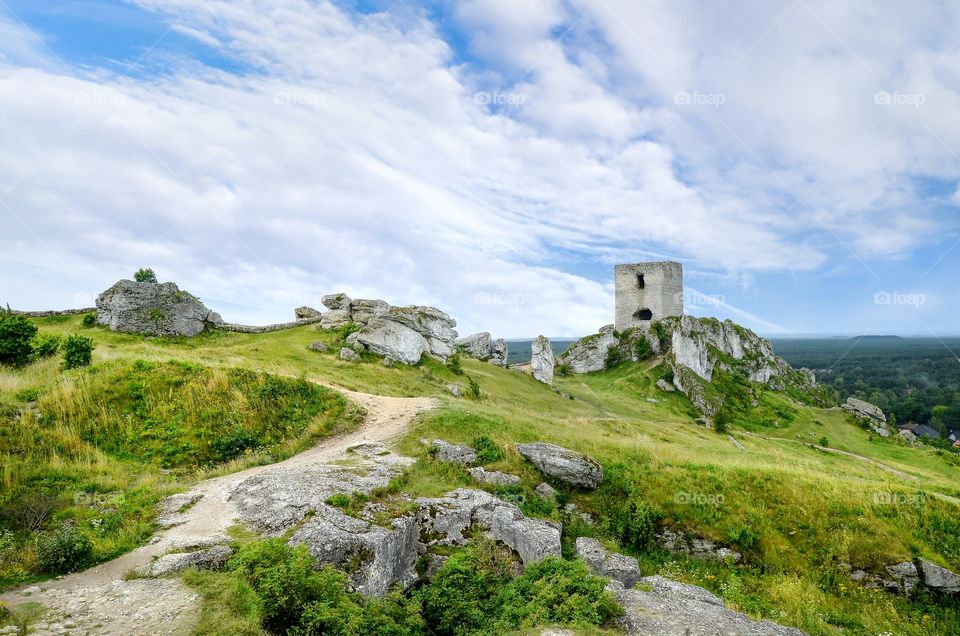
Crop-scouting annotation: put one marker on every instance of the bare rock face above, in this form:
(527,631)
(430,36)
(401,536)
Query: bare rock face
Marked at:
(276,499)
(482,347)
(453,453)
(387,330)
(302,313)
(493,477)
(385,556)
(670,608)
(154,309)
(697,547)
(612,565)
(937,578)
(336,302)
(562,463)
(663,385)
(435,326)
(452,516)
(590,354)
(869,414)
(210,559)
(542,360)
(348,355)
(388,338)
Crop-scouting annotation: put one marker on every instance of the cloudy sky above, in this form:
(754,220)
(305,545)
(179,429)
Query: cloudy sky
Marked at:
(494,158)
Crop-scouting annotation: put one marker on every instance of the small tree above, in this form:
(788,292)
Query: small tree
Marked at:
(77,351)
(15,334)
(145,275)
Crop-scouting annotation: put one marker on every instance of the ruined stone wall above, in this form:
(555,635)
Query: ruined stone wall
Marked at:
(646,292)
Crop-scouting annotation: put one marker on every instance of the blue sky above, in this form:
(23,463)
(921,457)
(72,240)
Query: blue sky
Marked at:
(489,157)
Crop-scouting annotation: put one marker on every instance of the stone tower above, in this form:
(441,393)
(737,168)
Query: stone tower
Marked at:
(647,292)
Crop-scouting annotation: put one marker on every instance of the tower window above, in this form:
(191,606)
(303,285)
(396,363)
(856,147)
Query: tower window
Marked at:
(643,314)
(640,282)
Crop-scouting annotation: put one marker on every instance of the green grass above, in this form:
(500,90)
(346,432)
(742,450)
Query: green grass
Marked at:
(793,510)
(105,444)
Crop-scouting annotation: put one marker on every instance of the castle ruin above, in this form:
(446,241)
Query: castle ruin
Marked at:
(647,292)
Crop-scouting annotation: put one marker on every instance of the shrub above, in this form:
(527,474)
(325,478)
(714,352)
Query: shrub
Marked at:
(299,600)
(77,351)
(473,389)
(475,592)
(824,441)
(613,356)
(145,275)
(66,549)
(345,330)
(89,320)
(643,348)
(635,524)
(455,364)
(487,450)
(44,345)
(15,335)
(562,370)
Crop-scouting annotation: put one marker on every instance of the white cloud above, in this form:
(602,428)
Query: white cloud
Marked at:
(355,157)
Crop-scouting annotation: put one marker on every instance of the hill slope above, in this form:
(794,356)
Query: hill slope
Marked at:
(797,513)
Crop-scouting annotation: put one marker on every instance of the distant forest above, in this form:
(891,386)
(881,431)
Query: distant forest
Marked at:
(914,379)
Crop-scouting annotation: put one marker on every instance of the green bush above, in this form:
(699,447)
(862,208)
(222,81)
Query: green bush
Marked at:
(824,441)
(343,331)
(635,524)
(487,450)
(643,348)
(473,389)
(66,549)
(15,335)
(613,356)
(44,345)
(477,592)
(145,275)
(455,364)
(77,351)
(297,599)
(89,320)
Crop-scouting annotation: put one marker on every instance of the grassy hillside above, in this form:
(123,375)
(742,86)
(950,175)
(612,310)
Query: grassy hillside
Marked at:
(794,511)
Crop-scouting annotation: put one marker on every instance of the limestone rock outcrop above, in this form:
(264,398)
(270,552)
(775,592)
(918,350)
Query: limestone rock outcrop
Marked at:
(386,556)
(679,542)
(542,361)
(563,464)
(393,339)
(451,517)
(453,453)
(302,313)
(402,333)
(668,608)
(869,414)
(612,565)
(590,353)
(493,477)
(483,347)
(209,559)
(155,309)
(937,578)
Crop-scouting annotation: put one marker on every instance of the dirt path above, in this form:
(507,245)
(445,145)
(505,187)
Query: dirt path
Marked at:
(203,523)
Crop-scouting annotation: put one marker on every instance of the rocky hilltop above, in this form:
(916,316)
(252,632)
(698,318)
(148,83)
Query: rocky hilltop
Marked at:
(700,354)
(156,309)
